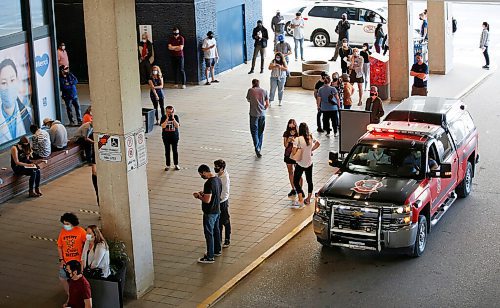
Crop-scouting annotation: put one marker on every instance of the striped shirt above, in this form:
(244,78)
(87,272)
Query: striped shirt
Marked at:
(485,39)
(41,143)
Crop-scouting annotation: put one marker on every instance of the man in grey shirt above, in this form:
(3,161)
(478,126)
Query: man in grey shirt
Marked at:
(58,134)
(259,102)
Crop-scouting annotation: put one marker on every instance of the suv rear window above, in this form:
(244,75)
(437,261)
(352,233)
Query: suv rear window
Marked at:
(352,13)
(321,11)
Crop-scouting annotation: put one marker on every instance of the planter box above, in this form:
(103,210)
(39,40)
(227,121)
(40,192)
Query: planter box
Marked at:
(294,80)
(315,66)
(309,79)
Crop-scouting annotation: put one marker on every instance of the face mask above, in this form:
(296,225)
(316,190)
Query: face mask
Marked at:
(176,33)
(155,72)
(9,96)
(335,79)
(343,18)
(68,275)
(68,227)
(356,53)
(259,25)
(89,237)
(210,36)
(63,47)
(344,44)
(277,59)
(217,170)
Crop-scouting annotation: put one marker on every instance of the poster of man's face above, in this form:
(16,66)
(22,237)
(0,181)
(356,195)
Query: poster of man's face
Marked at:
(15,99)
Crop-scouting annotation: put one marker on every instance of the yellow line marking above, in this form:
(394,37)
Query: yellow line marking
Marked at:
(89,211)
(217,295)
(36,237)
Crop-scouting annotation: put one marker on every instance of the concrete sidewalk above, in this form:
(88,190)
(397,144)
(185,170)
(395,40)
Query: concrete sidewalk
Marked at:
(214,124)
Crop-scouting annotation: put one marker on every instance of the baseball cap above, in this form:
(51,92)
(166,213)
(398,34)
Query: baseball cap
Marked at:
(47,120)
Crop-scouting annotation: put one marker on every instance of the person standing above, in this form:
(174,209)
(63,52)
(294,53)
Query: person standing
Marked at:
(58,134)
(176,47)
(356,73)
(156,91)
(317,86)
(424,26)
(79,292)
(170,136)
(306,144)
(342,30)
(365,53)
(374,105)
(224,220)
(379,38)
(96,252)
(260,36)
(22,165)
(419,72)
(328,101)
(345,52)
(339,86)
(283,47)
(62,55)
(259,102)
(41,142)
(278,69)
(145,48)
(348,91)
(484,43)
(289,136)
(278,26)
(211,56)
(68,82)
(297,24)
(87,115)
(210,204)
(70,244)
(85,137)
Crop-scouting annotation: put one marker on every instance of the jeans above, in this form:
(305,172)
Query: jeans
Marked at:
(277,83)
(333,117)
(212,234)
(178,68)
(73,101)
(257,125)
(155,102)
(224,221)
(301,42)
(486,56)
(366,73)
(169,143)
(318,119)
(262,51)
(297,175)
(33,173)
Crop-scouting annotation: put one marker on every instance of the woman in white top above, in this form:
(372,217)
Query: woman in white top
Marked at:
(96,251)
(306,144)
(278,69)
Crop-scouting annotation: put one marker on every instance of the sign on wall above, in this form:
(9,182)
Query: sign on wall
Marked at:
(146,29)
(44,79)
(109,148)
(135,150)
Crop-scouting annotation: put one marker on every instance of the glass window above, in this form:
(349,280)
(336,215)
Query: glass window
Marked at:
(352,13)
(10,17)
(321,11)
(444,146)
(458,131)
(369,16)
(38,13)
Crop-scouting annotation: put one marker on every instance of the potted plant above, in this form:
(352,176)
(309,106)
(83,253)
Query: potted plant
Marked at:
(118,260)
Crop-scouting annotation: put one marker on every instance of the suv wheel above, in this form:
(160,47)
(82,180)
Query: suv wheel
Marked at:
(321,39)
(288,29)
(465,187)
(421,240)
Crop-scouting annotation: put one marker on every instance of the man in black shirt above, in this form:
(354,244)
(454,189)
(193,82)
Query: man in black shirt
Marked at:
(420,72)
(318,85)
(342,29)
(260,36)
(210,205)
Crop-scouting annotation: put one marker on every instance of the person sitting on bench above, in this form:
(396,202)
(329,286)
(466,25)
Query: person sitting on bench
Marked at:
(21,165)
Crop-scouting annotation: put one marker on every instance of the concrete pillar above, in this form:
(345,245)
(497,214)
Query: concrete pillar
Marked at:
(400,49)
(440,36)
(116,105)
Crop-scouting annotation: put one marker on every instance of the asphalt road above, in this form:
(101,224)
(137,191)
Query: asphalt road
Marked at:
(460,266)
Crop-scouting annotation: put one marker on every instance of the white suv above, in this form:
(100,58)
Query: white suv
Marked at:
(321,18)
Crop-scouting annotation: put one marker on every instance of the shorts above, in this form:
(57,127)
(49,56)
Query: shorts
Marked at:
(62,273)
(209,62)
(289,161)
(353,78)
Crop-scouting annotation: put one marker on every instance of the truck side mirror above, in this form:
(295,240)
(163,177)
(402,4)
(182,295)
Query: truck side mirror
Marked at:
(443,172)
(334,160)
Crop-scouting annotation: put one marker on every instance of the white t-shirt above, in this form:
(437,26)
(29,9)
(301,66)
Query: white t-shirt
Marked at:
(298,32)
(300,143)
(209,54)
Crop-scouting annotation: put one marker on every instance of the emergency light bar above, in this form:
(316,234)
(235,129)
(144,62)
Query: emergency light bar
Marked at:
(407,128)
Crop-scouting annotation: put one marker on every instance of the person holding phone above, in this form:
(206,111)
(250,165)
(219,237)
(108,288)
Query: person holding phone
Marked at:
(170,136)
(21,165)
(289,136)
(156,91)
(278,70)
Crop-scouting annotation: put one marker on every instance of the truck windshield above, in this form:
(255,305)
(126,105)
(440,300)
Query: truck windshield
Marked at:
(378,160)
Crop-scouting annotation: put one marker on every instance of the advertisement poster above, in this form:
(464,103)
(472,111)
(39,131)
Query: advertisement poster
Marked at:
(16,113)
(44,79)
(146,29)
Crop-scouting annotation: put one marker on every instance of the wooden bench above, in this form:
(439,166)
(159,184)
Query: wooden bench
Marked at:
(58,163)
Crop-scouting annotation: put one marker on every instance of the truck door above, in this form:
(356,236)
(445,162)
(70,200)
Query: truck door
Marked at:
(446,154)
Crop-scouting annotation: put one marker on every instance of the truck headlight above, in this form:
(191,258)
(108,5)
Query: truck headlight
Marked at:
(321,206)
(402,209)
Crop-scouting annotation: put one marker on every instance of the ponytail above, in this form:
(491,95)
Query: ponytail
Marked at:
(487,25)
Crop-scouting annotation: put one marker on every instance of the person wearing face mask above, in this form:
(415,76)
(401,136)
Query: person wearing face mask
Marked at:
(318,86)
(365,53)
(289,136)
(176,47)
(211,56)
(345,52)
(278,69)
(156,91)
(328,101)
(146,58)
(87,115)
(95,254)
(342,30)
(337,84)
(374,105)
(260,36)
(356,73)
(15,116)
(297,25)
(69,245)
(277,25)
(224,221)
(21,164)
(62,55)
(68,82)
(283,47)
(348,91)
(80,293)
(170,136)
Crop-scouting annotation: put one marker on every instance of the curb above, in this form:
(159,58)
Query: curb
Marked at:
(473,86)
(220,293)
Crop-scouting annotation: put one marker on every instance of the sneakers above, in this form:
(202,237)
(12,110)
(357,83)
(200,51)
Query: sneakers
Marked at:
(177,167)
(218,254)
(261,70)
(183,86)
(487,67)
(251,72)
(167,168)
(320,130)
(333,59)
(292,193)
(335,134)
(279,103)
(215,81)
(206,260)
(226,244)
(328,134)
(258,154)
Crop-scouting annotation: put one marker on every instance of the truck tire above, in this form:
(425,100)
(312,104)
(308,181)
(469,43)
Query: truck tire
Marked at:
(421,240)
(288,29)
(465,187)
(321,39)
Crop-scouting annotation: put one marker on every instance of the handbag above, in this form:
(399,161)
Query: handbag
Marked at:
(92,273)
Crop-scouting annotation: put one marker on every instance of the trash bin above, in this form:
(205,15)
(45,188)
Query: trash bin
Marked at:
(149,115)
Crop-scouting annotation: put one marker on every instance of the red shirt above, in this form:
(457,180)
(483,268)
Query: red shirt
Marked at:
(79,290)
(176,42)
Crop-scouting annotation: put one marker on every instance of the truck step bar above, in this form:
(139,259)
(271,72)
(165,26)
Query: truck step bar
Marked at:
(443,208)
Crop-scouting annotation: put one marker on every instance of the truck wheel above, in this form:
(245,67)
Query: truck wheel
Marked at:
(321,39)
(465,187)
(421,240)
(288,29)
